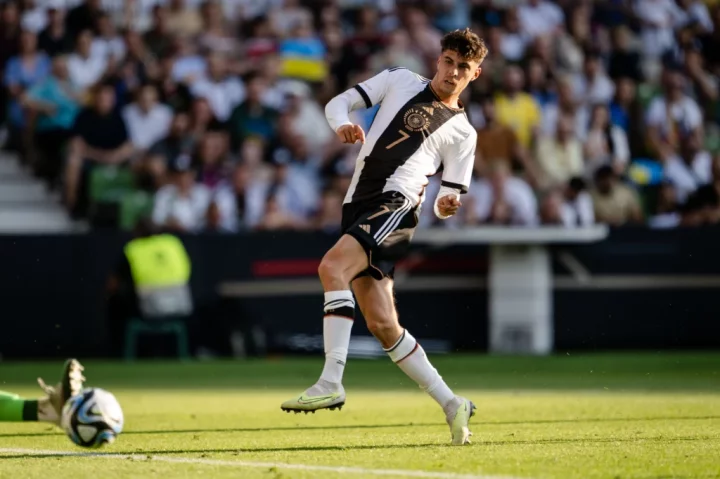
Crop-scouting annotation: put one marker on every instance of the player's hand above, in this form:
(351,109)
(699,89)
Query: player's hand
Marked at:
(351,133)
(448,205)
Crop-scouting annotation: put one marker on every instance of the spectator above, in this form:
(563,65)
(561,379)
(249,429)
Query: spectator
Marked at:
(627,113)
(158,39)
(252,117)
(690,169)
(666,213)
(222,90)
(146,120)
(107,45)
(517,109)
(241,201)
(178,142)
(504,199)
(183,21)
(209,160)
(560,156)
(577,206)
(83,17)
(672,115)
(513,41)
(86,69)
(54,103)
(54,39)
(9,33)
(624,59)
(99,138)
(22,72)
(606,144)
(540,17)
(497,142)
(615,203)
(182,204)
(34,17)
(593,85)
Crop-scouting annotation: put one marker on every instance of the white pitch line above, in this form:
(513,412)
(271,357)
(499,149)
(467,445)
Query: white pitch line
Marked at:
(268,465)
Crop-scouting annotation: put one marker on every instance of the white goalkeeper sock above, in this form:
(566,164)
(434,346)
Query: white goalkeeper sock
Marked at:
(337,325)
(411,358)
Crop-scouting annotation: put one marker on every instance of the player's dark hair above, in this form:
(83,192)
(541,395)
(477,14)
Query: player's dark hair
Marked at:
(467,44)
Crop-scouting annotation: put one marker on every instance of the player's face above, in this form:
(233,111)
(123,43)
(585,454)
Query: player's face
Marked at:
(455,72)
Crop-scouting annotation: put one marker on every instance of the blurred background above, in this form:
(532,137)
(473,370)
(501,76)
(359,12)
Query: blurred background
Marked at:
(204,119)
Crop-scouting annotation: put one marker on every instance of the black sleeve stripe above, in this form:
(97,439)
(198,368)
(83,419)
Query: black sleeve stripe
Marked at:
(463,189)
(364,96)
(396,68)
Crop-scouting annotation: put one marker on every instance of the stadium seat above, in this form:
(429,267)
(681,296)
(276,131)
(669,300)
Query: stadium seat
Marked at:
(134,206)
(137,327)
(110,184)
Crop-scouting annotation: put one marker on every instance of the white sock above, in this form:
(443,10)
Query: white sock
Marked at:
(339,314)
(411,358)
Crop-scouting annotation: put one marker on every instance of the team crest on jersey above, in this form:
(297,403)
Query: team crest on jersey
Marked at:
(417,119)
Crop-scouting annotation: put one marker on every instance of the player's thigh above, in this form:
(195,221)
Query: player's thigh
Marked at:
(347,257)
(376,299)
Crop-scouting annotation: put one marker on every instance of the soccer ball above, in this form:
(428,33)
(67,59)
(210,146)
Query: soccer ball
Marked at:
(92,418)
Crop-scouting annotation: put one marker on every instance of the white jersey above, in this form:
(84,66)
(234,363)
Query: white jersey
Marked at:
(412,136)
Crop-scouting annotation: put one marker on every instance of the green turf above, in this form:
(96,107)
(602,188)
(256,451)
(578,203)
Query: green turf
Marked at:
(654,415)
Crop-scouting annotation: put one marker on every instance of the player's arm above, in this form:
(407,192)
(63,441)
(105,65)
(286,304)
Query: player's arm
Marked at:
(458,165)
(363,95)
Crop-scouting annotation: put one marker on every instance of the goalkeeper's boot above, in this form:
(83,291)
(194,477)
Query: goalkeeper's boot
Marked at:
(457,414)
(71,383)
(323,395)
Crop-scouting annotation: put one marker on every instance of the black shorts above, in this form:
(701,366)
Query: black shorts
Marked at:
(384,227)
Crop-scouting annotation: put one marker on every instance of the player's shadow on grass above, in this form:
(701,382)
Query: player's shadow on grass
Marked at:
(237,451)
(375,426)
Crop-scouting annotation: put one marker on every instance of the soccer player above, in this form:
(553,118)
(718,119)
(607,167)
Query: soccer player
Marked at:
(420,127)
(48,408)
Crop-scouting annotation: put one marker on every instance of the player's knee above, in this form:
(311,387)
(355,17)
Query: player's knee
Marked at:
(379,326)
(330,268)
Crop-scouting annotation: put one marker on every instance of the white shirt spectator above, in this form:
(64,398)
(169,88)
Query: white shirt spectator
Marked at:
(601,90)
(685,112)
(189,68)
(517,193)
(620,149)
(222,96)
(188,211)
(697,12)
(230,218)
(689,177)
(85,72)
(541,19)
(34,20)
(657,18)
(512,46)
(579,212)
(107,48)
(145,129)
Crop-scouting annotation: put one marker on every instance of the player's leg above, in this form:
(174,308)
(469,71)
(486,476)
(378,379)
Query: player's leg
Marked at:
(48,408)
(338,267)
(377,303)
(13,408)
(364,226)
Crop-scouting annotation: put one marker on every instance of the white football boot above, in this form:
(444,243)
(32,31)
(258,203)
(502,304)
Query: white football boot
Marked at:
(457,414)
(322,395)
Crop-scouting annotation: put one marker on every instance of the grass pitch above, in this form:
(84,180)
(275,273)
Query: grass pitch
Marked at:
(612,416)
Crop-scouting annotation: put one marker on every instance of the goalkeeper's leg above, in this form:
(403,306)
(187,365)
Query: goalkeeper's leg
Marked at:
(13,408)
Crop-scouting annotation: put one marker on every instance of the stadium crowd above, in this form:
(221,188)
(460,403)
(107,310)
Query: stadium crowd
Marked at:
(208,114)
